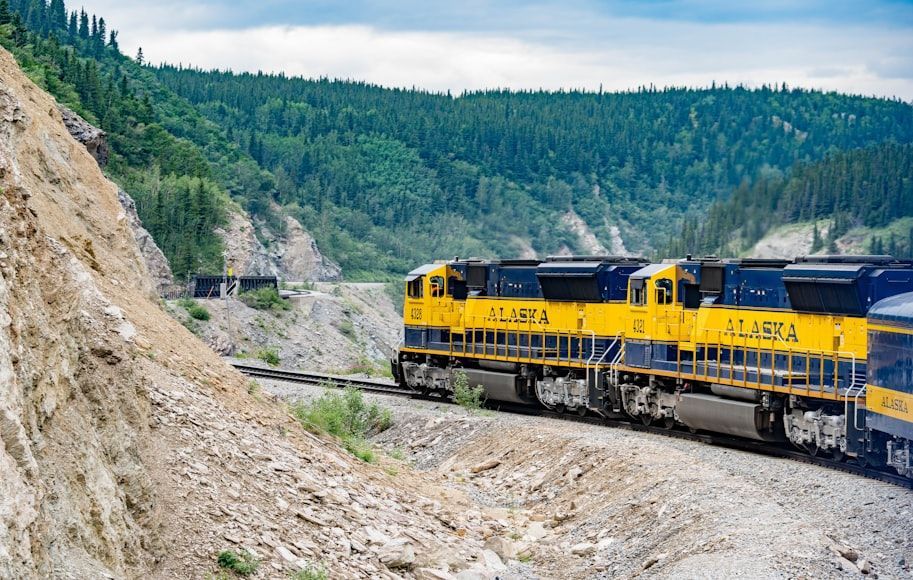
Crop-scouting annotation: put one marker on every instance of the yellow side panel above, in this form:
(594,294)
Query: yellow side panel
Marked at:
(890,403)
(536,316)
(783,330)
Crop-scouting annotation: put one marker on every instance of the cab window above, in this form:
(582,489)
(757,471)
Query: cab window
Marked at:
(456,288)
(437,286)
(416,288)
(638,293)
(663,291)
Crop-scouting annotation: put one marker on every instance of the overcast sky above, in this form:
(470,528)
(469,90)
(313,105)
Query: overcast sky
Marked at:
(863,47)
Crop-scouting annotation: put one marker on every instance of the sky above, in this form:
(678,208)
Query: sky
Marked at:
(858,47)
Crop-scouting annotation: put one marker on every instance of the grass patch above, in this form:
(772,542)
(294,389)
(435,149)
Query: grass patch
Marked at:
(196,311)
(347,329)
(269,355)
(264,299)
(310,573)
(398,454)
(470,398)
(345,415)
(253,387)
(242,564)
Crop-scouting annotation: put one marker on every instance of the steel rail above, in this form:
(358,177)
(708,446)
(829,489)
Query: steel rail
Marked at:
(748,445)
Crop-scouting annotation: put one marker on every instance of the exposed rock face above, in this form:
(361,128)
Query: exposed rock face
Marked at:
(95,140)
(301,260)
(588,239)
(75,499)
(293,257)
(243,251)
(128,449)
(156,262)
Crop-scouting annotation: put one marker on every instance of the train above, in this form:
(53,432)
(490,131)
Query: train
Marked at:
(815,352)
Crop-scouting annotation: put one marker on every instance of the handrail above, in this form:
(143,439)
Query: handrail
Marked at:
(821,354)
(470,323)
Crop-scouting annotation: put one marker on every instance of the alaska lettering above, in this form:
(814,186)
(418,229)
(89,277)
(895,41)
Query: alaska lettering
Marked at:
(767,329)
(522,315)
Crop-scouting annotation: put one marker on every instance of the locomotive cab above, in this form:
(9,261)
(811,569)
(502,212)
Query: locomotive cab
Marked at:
(656,317)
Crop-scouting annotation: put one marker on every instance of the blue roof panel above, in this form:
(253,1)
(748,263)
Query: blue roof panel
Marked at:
(896,310)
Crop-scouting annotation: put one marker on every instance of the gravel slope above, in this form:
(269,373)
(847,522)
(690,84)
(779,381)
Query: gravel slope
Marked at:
(584,501)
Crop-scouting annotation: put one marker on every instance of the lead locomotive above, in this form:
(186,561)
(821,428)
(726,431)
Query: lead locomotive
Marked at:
(772,350)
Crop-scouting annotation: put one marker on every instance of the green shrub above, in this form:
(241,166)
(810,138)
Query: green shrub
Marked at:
(347,416)
(470,398)
(310,573)
(195,310)
(265,299)
(243,564)
(198,312)
(347,329)
(269,355)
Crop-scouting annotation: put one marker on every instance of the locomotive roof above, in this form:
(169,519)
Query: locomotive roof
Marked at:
(649,271)
(897,310)
(421,271)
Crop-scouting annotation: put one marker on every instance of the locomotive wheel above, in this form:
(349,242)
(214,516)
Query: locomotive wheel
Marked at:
(560,409)
(647,420)
(668,423)
(837,454)
(581,411)
(812,449)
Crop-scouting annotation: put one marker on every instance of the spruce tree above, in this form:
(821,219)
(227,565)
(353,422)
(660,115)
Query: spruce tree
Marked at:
(140,60)
(5,15)
(83,25)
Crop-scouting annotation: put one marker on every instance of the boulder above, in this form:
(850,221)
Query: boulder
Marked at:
(491,561)
(503,547)
(433,574)
(94,139)
(485,465)
(583,549)
(397,553)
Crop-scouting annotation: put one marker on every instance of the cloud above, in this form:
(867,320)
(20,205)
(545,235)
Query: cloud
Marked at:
(528,45)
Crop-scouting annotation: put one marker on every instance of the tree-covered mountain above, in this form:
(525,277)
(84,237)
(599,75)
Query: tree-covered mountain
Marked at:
(387,178)
(870,187)
(412,166)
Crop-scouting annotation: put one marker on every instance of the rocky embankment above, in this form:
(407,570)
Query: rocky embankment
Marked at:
(128,449)
(339,328)
(559,499)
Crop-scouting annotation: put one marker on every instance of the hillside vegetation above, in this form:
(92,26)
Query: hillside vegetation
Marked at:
(413,174)
(870,188)
(387,178)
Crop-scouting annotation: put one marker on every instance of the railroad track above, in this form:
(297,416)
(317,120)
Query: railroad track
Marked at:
(371,385)
(759,447)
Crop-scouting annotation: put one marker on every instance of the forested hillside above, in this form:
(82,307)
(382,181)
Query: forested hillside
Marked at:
(405,169)
(871,187)
(178,166)
(387,178)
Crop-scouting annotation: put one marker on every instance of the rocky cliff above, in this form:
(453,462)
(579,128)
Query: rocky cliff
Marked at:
(292,256)
(128,449)
(96,143)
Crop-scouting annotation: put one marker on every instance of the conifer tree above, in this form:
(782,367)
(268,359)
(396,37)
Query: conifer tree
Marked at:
(5,15)
(83,25)
(139,56)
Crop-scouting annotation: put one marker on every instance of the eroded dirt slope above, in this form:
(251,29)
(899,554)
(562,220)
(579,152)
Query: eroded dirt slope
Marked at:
(128,449)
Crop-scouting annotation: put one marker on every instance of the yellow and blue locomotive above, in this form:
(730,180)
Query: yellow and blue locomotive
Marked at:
(889,391)
(771,350)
